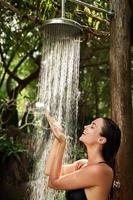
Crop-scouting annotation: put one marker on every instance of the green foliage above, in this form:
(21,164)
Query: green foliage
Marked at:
(9,148)
(21,36)
(20,54)
(21,41)
(95,80)
(62,196)
(3,107)
(78,152)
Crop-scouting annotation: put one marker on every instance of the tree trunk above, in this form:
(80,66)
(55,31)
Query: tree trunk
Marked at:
(121,94)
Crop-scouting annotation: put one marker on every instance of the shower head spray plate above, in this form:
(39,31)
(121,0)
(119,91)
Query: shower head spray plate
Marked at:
(62,27)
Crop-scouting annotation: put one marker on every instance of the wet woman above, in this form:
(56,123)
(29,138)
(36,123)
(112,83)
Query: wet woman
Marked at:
(85,179)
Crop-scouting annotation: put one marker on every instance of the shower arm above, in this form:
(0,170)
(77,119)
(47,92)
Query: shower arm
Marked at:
(63,8)
(110,12)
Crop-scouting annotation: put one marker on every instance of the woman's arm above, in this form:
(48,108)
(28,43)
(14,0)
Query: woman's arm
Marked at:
(66,168)
(54,166)
(58,141)
(52,157)
(56,169)
(85,177)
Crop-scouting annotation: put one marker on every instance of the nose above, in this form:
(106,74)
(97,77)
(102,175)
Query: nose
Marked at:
(86,126)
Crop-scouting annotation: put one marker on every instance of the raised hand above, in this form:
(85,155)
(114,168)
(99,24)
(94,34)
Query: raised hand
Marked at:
(55,127)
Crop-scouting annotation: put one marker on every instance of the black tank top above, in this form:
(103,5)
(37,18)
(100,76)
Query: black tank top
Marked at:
(77,194)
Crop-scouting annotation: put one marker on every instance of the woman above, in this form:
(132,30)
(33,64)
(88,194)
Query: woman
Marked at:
(85,179)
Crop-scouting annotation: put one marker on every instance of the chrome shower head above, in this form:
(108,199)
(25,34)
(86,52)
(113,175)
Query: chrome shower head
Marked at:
(62,28)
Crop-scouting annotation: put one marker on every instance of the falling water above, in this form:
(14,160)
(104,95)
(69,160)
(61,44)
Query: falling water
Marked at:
(58,92)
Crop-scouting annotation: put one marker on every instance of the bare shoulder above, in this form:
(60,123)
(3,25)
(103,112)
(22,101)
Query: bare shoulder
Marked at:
(102,169)
(102,172)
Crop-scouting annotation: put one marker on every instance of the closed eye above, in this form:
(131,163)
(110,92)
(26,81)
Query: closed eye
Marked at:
(93,124)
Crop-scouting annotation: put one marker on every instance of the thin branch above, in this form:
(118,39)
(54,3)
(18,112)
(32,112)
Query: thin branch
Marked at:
(16,68)
(4,64)
(80,12)
(2,57)
(10,7)
(13,76)
(22,60)
(30,78)
(26,124)
(94,32)
(23,84)
(2,79)
(11,58)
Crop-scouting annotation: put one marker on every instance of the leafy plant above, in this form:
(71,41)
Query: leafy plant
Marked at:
(10,148)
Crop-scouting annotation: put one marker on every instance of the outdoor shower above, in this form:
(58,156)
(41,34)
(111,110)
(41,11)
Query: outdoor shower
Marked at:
(58,93)
(67,26)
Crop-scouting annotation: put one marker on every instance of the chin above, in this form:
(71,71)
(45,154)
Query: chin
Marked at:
(81,139)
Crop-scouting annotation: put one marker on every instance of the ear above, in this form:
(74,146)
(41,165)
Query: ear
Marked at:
(102,140)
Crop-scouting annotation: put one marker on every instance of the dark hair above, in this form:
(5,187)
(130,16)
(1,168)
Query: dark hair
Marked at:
(112,133)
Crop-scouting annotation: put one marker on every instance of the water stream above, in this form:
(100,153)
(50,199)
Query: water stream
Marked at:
(58,92)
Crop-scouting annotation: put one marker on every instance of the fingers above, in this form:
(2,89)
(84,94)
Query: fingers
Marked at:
(55,127)
(52,121)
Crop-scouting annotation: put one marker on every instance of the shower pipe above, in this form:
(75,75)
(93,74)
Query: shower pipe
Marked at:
(110,12)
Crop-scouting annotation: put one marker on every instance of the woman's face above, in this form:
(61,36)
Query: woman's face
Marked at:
(91,133)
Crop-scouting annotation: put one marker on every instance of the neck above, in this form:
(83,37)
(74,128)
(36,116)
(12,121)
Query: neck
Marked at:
(94,155)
